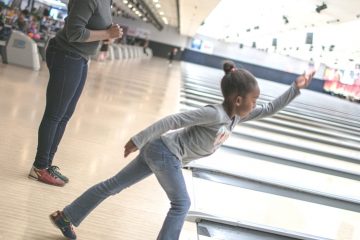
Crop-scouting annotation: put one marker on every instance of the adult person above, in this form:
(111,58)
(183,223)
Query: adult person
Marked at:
(88,22)
(171,55)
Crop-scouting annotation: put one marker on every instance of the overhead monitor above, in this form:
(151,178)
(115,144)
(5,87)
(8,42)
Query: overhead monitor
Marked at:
(58,14)
(6,2)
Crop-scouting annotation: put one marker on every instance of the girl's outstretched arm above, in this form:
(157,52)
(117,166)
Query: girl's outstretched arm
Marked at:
(304,80)
(280,102)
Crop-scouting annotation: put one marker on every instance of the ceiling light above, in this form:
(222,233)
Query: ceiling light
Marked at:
(161,13)
(165,20)
(146,12)
(333,21)
(158,5)
(323,6)
(274,42)
(286,20)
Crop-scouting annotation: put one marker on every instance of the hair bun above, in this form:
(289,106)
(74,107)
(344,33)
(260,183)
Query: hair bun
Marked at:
(228,66)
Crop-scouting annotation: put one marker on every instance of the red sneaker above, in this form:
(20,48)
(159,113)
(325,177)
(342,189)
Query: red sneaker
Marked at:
(45,176)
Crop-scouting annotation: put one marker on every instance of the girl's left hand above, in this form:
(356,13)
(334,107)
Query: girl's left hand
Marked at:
(304,80)
(129,148)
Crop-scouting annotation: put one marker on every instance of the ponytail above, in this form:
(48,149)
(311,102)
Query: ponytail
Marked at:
(228,66)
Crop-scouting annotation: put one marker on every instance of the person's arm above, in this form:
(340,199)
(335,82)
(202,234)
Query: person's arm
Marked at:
(199,116)
(113,32)
(79,14)
(280,102)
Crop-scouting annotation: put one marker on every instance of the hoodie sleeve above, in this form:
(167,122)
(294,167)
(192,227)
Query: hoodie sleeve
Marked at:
(201,116)
(80,11)
(274,106)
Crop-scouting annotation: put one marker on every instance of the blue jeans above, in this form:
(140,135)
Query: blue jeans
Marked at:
(155,158)
(68,73)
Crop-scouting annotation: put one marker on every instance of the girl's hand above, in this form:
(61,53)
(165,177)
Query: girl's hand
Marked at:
(129,148)
(304,80)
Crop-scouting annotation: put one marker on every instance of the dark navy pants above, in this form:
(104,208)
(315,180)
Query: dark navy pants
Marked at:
(68,73)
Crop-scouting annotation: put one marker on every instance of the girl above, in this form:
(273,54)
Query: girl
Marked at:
(202,132)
